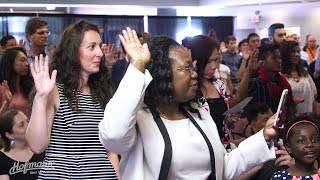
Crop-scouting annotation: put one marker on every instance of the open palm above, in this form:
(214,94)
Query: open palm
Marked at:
(6,91)
(40,72)
(135,50)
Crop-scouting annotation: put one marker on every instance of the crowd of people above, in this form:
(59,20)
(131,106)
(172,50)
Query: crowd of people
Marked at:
(157,109)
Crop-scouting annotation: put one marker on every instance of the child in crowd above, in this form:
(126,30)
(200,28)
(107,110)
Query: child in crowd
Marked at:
(301,138)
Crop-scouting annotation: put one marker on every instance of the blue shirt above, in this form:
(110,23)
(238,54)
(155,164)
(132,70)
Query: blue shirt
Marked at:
(233,61)
(45,52)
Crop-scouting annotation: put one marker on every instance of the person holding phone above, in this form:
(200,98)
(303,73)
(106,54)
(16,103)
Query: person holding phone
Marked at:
(159,130)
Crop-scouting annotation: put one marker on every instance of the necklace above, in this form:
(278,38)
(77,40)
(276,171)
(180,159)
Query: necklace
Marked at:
(296,79)
(162,114)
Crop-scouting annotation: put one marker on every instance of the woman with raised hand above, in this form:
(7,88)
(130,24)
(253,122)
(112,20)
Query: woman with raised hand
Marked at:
(68,106)
(160,132)
(16,82)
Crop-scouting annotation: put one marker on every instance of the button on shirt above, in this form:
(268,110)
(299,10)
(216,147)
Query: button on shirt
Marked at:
(46,52)
(233,61)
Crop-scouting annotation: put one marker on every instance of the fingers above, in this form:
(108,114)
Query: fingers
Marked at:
(46,65)
(112,48)
(136,39)
(31,65)
(36,64)
(130,35)
(125,36)
(53,76)
(41,65)
(5,84)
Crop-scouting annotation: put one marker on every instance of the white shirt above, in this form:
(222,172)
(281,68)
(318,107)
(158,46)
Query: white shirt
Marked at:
(185,165)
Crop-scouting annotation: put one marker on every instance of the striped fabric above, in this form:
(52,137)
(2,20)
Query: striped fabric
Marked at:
(75,151)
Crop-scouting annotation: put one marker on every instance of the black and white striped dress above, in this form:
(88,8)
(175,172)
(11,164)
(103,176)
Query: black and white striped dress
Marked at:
(75,151)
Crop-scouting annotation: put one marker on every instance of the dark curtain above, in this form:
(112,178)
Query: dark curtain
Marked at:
(167,25)
(110,26)
(223,26)
(113,26)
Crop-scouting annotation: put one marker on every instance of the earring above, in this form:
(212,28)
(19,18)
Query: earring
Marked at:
(12,144)
(170,99)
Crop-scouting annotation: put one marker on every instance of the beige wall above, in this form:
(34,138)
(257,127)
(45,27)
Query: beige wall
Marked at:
(306,16)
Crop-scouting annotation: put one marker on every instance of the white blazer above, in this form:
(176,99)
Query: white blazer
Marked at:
(130,130)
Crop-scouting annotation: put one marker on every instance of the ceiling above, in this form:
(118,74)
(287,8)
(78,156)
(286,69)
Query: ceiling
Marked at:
(131,7)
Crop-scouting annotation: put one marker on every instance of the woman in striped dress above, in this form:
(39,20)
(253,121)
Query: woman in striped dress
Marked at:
(66,113)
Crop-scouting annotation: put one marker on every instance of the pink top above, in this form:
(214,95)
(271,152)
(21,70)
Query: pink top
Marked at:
(19,101)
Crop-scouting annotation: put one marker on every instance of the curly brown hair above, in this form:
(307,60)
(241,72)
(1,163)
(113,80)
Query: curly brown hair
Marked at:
(66,60)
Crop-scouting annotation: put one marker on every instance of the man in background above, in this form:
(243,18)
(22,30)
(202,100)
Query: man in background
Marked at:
(37,34)
(232,59)
(311,47)
(277,33)
(8,42)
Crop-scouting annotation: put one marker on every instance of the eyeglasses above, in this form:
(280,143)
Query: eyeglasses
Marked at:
(41,33)
(188,69)
(281,34)
(296,51)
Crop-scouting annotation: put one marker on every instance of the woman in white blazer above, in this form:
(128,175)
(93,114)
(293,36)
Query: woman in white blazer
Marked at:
(160,132)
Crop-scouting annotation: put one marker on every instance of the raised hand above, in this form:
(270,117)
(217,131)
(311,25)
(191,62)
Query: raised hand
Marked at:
(245,55)
(254,62)
(269,131)
(6,91)
(21,43)
(139,55)
(40,72)
(111,53)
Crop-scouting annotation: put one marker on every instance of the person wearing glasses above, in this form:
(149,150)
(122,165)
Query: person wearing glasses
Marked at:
(277,33)
(311,47)
(160,132)
(37,34)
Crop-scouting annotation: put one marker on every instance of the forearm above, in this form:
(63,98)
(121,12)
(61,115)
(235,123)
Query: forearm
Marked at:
(37,132)
(230,86)
(251,173)
(4,107)
(250,153)
(242,68)
(242,91)
(114,159)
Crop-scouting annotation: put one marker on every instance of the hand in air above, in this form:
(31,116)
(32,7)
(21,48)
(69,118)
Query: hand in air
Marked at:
(254,62)
(269,131)
(40,72)
(6,91)
(111,54)
(139,55)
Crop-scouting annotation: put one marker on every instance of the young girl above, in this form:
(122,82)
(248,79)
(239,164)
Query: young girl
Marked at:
(301,138)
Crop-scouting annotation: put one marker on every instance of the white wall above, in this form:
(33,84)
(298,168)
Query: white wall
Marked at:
(304,15)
